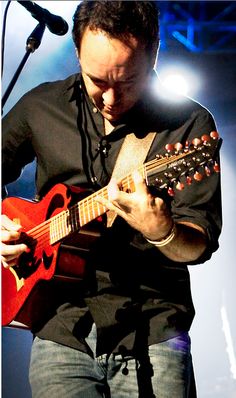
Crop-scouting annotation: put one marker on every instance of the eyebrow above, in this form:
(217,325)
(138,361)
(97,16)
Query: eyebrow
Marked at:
(97,79)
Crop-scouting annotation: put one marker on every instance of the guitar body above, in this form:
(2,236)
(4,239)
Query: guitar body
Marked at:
(42,260)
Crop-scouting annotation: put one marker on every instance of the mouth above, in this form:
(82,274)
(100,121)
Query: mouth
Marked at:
(111,110)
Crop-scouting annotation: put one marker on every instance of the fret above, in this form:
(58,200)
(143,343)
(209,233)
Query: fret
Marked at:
(62,226)
(77,217)
(53,230)
(74,218)
(64,229)
(67,222)
(57,226)
(93,209)
(98,209)
(101,209)
(82,213)
(70,221)
(88,209)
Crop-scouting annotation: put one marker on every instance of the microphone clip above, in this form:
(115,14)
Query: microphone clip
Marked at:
(103,147)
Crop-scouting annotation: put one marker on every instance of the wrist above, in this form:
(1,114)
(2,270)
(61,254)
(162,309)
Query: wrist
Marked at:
(166,239)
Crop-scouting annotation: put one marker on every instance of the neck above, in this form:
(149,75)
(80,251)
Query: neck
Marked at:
(108,127)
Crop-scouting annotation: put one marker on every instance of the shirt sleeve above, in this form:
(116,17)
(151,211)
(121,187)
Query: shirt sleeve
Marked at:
(200,202)
(17,150)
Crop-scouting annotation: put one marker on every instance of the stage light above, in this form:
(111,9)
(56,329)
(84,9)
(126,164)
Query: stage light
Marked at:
(179,79)
(176,82)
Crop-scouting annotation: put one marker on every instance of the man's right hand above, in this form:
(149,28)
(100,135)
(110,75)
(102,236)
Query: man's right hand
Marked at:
(10,232)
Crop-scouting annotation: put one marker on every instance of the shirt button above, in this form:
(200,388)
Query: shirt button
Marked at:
(95,110)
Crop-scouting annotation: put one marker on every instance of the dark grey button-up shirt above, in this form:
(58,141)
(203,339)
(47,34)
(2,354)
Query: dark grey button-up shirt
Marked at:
(132,292)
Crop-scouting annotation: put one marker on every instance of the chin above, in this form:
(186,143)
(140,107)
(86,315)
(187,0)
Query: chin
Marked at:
(112,117)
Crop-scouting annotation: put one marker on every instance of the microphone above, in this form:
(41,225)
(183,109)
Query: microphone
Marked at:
(54,23)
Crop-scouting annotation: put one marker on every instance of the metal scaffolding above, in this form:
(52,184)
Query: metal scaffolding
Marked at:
(198,26)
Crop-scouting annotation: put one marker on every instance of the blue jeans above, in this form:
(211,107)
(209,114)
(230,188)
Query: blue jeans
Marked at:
(58,371)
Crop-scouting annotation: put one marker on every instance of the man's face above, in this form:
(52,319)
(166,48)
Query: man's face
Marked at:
(115,73)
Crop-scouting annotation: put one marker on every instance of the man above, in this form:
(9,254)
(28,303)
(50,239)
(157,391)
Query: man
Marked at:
(123,331)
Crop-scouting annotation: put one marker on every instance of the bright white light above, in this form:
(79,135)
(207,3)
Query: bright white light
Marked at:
(179,79)
(176,83)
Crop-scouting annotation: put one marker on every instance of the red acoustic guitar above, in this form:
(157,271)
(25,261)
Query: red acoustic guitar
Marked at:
(60,215)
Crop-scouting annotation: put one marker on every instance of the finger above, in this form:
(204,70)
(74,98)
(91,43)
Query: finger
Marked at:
(7,236)
(113,190)
(4,262)
(110,206)
(8,263)
(139,183)
(12,251)
(105,202)
(9,224)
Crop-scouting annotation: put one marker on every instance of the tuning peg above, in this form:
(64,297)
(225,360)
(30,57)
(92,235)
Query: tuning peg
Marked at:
(180,186)
(197,176)
(169,148)
(189,180)
(170,191)
(216,167)
(186,146)
(214,135)
(178,146)
(196,142)
(205,138)
(207,171)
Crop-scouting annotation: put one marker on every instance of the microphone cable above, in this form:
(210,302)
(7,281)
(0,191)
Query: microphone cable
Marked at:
(4,31)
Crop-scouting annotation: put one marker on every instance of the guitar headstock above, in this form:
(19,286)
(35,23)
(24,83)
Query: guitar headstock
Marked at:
(182,164)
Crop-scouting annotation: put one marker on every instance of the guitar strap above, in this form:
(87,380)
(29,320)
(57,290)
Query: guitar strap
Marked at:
(132,155)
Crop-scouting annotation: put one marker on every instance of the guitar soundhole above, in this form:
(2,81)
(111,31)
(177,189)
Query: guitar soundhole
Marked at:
(47,260)
(28,262)
(27,265)
(57,202)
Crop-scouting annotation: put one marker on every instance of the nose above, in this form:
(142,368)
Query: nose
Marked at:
(111,96)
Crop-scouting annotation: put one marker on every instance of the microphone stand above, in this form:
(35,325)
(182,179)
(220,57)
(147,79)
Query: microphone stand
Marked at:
(32,43)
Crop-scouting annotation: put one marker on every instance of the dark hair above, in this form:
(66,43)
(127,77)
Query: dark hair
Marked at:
(118,19)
